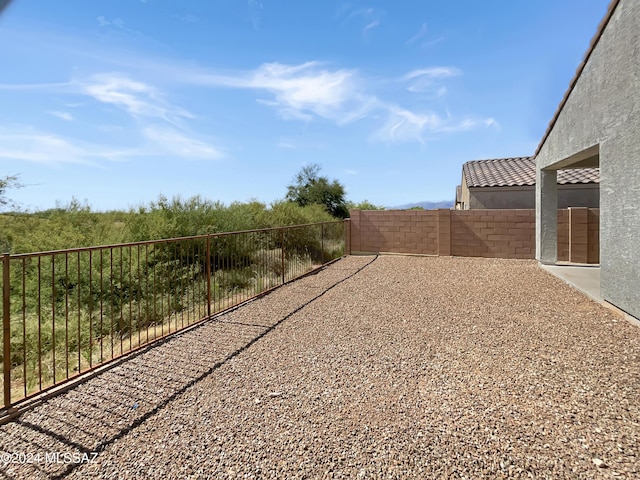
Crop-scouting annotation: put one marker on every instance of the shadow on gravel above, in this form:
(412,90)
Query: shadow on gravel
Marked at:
(56,438)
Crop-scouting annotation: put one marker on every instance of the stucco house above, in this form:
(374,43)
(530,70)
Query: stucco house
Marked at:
(510,183)
(597,124)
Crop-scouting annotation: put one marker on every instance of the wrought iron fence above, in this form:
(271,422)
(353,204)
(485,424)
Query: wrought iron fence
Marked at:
(67,312)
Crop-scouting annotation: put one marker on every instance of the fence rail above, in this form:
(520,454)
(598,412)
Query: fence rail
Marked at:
(67,312)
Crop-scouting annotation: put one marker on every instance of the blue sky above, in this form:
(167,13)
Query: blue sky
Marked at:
(118,101)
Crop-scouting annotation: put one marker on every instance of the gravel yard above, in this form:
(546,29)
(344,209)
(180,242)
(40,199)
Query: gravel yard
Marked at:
(376,367)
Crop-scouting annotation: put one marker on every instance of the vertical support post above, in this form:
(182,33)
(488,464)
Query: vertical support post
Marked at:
(322,244)
(282,251)
(208,274)
(546,216)
(6,327)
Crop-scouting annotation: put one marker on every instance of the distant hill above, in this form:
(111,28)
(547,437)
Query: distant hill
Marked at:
(425,205)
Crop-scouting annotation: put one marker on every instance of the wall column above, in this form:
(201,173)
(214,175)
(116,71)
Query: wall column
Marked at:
(546,216)
(444,232)
(354,231)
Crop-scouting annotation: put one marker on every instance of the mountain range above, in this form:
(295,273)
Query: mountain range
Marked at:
(425,205)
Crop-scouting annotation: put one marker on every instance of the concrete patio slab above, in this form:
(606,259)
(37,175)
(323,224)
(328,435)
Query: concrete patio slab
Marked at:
(584,278)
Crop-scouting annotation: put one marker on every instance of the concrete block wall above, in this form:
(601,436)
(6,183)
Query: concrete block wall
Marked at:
(471,233)
(563,235)
(394,231)
(593,232)
(578,235)
(493,233)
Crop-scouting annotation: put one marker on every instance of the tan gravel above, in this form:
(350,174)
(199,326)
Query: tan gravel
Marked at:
(389,367)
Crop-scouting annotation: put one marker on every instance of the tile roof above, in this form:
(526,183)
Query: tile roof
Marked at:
(519,171)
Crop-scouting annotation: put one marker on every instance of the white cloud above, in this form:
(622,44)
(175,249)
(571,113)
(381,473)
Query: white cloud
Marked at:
(177,143)
(431,43)
(63,115)
(139,99)
(424,79)
(118,24)
(302,91)
(371,25)
(312,90)
(52,86)
(27,144)
(307,88)
(102,21)
(403,125)
(368,17)
(421,34)
(31,145)
(418,36)
(467,124)
(351,172)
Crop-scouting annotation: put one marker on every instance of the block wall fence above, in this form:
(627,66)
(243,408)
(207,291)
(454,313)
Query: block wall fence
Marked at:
(472,233)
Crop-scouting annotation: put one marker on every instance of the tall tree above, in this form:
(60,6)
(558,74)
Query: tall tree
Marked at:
(6,183)
(310,188)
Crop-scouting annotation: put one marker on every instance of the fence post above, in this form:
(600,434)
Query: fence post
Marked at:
(282,251)
(322,244)
(6,328)
(208,274)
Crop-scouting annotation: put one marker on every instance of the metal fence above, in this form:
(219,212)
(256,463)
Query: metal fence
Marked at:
(67,312)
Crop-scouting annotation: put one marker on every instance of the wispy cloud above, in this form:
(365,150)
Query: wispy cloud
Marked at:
(117,24)
(30,145)
(286,144)
(302,91)
(403,125)
(422,33)
(367,17)
(432,42)
(419,35)
(137,98)
(313,90)
(424,79)
(48,86)
(350,172)
(371,25)
(63,115)
(178,143)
